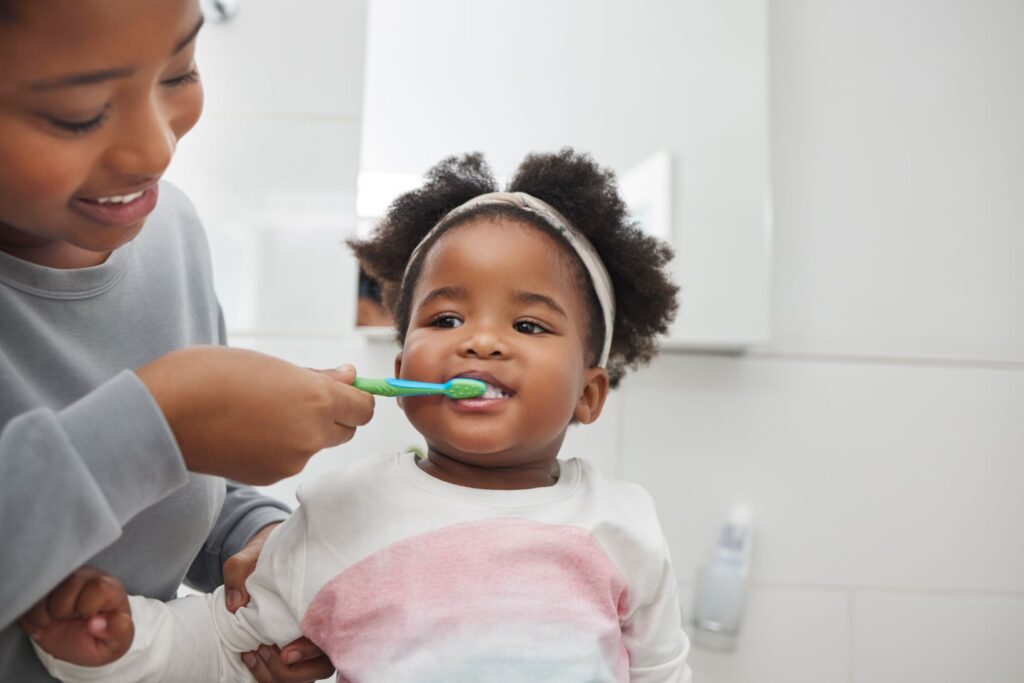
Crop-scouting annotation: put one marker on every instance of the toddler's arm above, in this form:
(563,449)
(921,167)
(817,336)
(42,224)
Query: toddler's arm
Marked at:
(196,638)
(654,636)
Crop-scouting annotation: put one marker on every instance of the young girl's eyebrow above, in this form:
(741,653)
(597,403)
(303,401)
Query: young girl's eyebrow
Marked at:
(535,298)
(448,292)
(93,77)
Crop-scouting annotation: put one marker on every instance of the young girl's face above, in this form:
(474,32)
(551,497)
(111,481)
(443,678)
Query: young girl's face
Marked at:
(94,96)
(497,300)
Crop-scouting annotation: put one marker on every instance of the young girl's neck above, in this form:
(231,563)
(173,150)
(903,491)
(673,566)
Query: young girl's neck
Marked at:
(524,476)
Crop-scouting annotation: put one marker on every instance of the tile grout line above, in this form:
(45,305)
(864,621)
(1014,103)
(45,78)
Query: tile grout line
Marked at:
(851,636)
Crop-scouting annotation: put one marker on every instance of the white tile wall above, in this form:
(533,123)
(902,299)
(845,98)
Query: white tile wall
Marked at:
(858,474)
(297,57)
(938,638)
(796,636)
(897,175)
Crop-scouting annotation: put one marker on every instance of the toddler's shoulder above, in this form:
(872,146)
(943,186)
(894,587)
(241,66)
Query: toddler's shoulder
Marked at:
(357,485)
(626,509)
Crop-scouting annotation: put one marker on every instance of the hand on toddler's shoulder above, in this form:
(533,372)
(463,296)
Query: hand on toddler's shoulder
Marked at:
(86,620)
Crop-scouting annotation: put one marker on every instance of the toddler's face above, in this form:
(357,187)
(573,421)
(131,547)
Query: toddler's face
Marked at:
(497,300)
(94,96)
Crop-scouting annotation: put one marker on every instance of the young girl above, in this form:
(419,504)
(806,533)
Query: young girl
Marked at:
(104,270)
(491,559)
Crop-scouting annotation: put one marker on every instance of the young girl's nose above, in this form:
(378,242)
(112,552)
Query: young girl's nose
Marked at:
(144,145)
(483,342)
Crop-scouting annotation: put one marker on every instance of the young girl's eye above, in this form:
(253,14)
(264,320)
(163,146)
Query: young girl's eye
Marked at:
(446,322)
(185,79)
(79,126)
(529,327)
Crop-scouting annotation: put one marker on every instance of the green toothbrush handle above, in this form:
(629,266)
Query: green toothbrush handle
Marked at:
(379,387)
(384,387)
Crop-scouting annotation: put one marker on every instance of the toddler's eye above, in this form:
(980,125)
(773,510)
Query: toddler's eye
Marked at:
(529,327)
(446,321)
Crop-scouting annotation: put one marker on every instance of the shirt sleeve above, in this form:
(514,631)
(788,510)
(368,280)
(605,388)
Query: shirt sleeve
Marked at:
(653,633)
(71,479)
(196,638)
(244,512)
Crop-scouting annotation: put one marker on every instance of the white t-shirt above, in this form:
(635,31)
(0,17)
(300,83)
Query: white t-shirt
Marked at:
(399,576)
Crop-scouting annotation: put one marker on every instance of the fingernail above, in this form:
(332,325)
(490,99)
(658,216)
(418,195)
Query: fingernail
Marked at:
(265,653)
(36,635)
(234,598)
(249,659)
(291,657)
(345,368)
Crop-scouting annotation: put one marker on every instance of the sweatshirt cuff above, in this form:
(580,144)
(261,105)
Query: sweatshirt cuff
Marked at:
(126,443)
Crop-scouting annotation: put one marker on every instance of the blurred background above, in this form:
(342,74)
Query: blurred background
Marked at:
(843,183)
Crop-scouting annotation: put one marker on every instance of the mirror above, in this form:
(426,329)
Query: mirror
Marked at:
(671,94)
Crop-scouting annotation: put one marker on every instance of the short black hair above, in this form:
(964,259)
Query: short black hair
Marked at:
(587,195)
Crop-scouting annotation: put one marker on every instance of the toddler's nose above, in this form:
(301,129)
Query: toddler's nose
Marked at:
(483,342)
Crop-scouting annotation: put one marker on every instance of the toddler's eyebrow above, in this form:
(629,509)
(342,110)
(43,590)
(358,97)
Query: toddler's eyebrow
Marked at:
(448,292)
(91,77)
(535,298)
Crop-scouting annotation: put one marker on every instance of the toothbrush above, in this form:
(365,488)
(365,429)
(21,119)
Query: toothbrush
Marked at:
(460,387)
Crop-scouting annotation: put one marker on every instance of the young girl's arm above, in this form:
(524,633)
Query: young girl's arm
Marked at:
(653,633)
(196,638)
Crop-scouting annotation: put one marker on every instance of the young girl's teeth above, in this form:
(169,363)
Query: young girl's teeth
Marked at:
(494,392)
(120,199)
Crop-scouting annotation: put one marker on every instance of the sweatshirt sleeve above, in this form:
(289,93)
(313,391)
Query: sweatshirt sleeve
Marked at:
(196,638)
(71,479)
(653,632)
(245,511)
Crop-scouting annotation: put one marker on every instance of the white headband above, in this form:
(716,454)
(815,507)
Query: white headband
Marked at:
(581,245)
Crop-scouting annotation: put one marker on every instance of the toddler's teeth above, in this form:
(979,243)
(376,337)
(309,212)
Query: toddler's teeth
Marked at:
(494,392)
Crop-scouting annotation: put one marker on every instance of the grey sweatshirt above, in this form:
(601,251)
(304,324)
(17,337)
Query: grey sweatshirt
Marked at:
(89,469)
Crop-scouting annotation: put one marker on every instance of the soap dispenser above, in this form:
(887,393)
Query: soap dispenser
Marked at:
(722,586)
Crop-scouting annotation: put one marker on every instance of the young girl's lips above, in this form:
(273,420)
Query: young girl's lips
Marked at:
(480,405)
(118,214)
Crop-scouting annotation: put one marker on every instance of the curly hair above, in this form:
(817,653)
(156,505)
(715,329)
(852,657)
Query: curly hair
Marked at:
(586,194)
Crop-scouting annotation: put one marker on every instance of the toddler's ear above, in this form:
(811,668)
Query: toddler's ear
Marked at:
(592,398)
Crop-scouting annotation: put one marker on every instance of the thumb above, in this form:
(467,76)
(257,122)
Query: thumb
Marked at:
(346,374)
(236,571)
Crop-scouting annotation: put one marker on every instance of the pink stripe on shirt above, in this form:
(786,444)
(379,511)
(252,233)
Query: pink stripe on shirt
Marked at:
(510,598)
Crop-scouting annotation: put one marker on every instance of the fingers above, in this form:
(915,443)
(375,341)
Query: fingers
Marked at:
(36,619)
(62,600)
(299,650)
(346,374)
(350,406)
(267,665)
(102,593)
